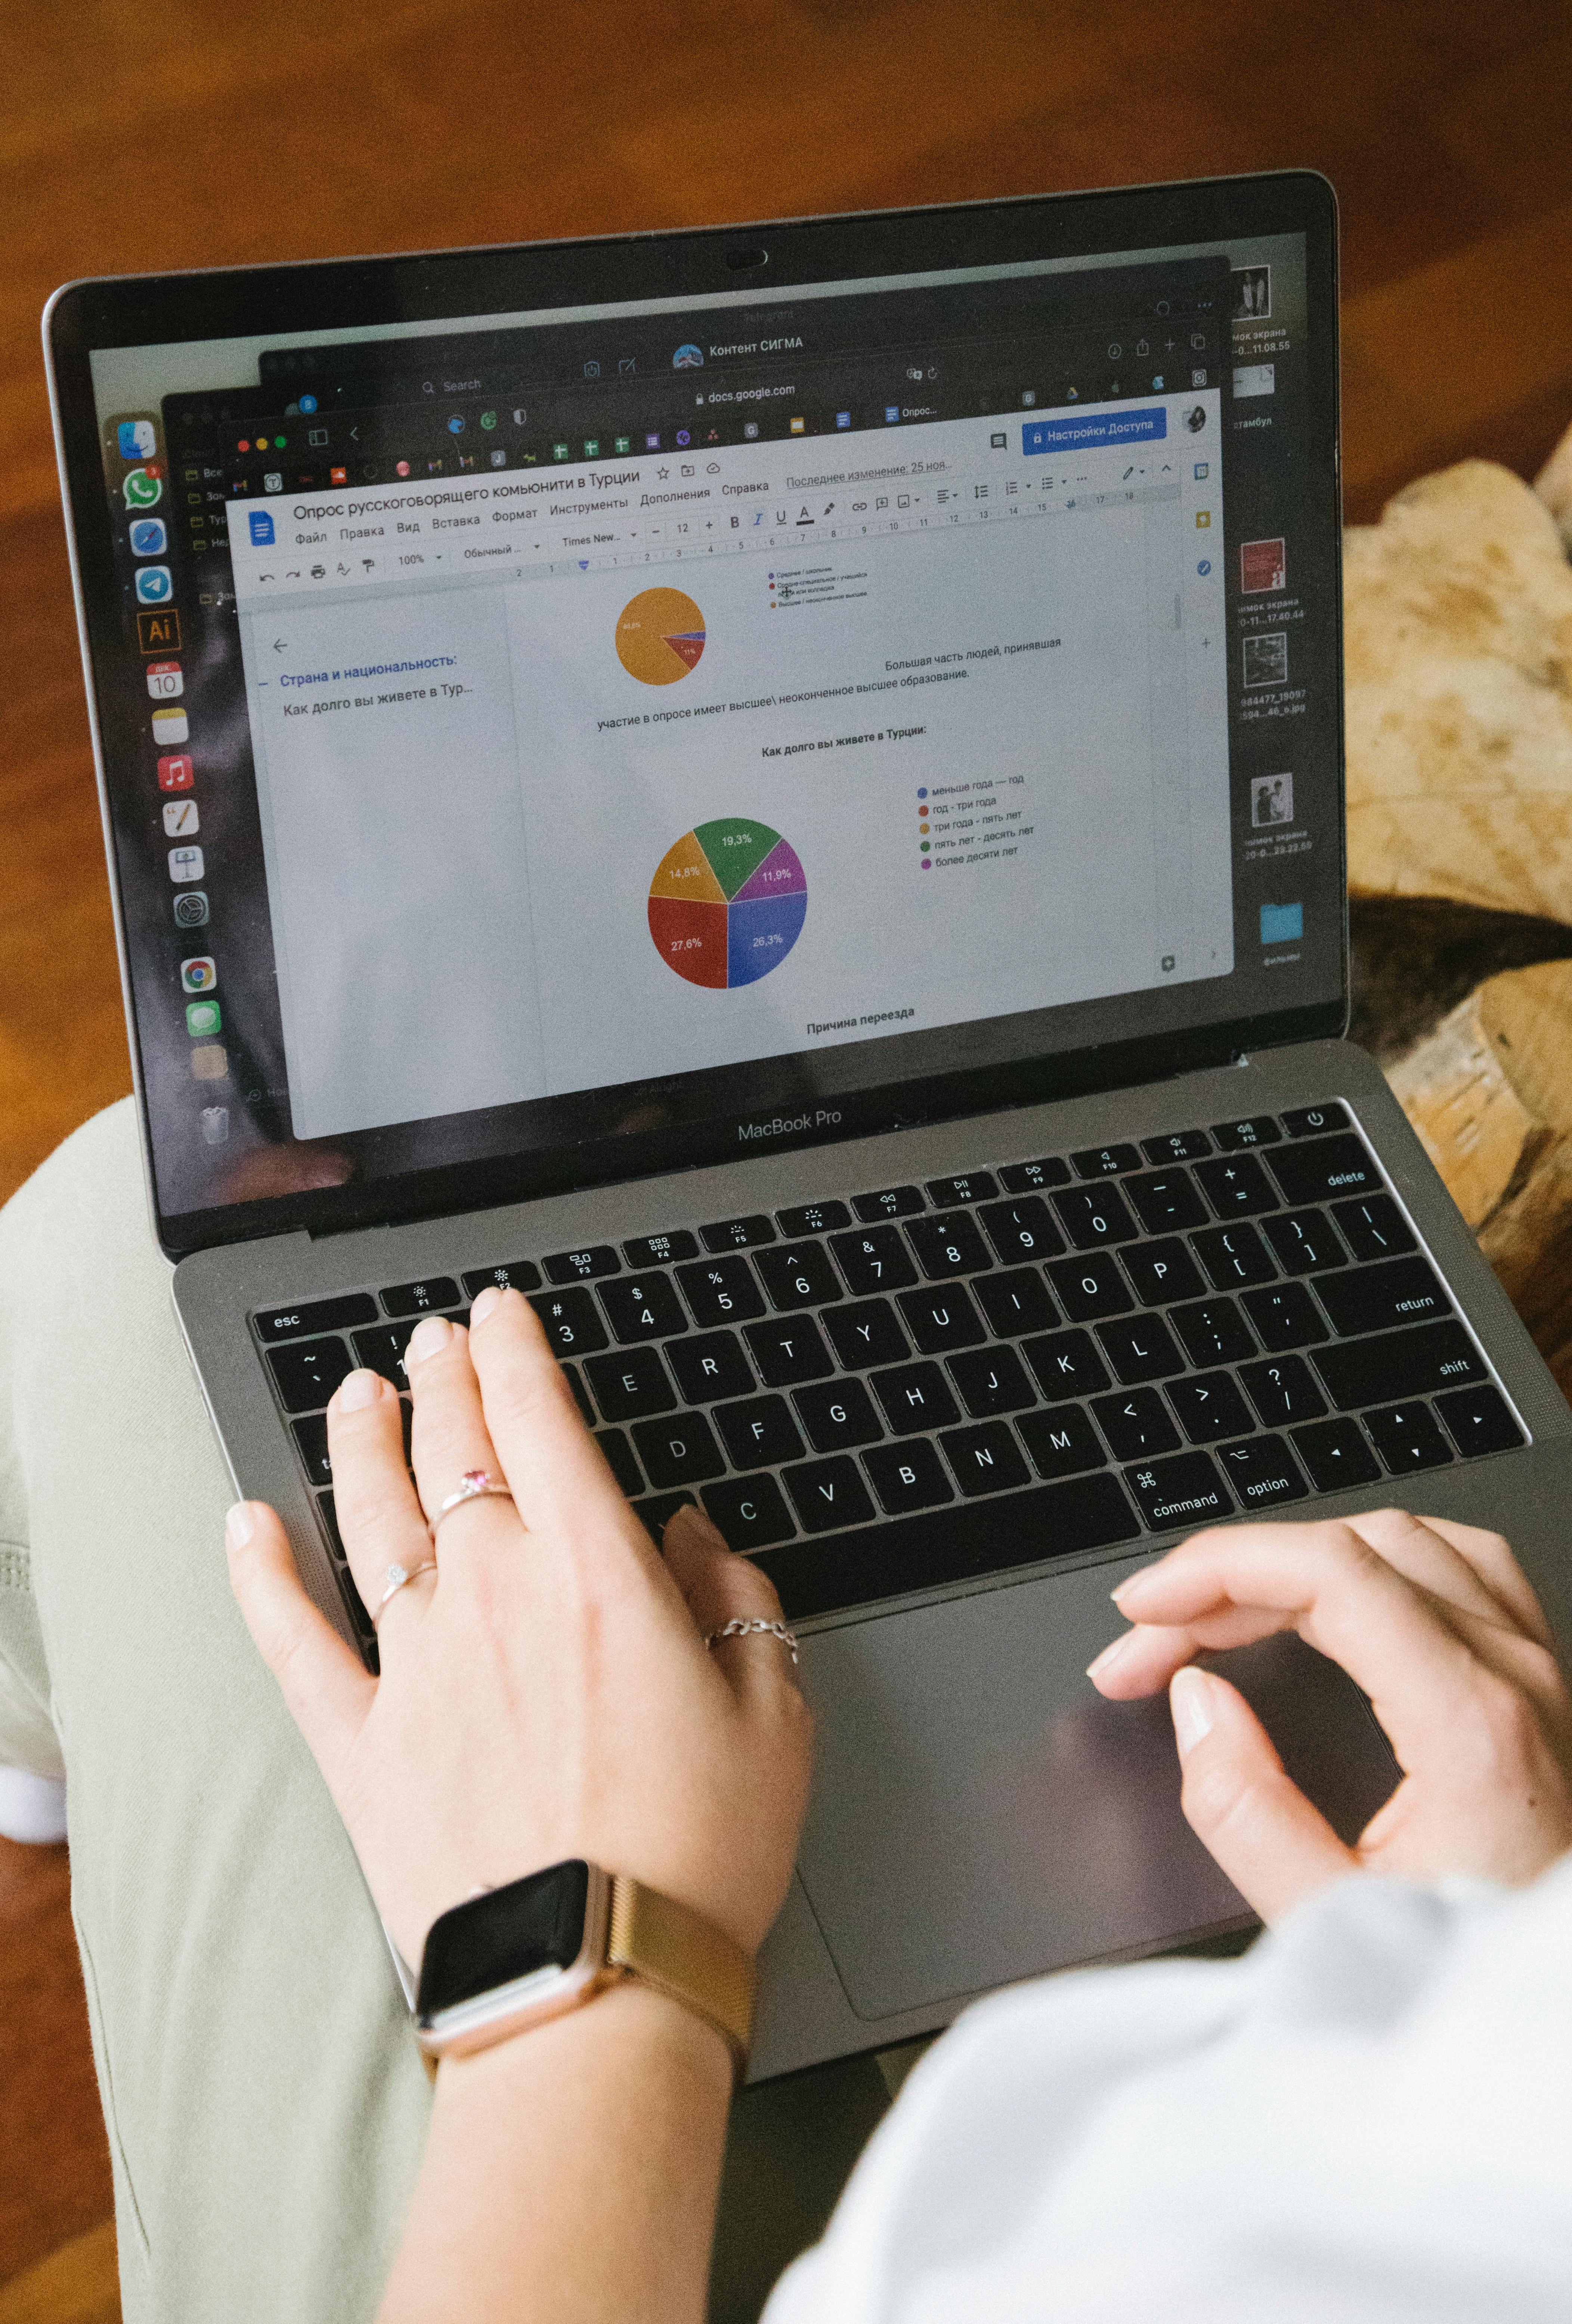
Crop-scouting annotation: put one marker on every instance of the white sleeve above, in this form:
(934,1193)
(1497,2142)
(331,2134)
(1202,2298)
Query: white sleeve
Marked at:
(1366,2119)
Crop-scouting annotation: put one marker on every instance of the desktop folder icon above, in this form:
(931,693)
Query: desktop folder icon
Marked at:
(1282,923)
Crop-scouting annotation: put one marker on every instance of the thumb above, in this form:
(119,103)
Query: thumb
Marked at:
(323,1685)
(1275,1848)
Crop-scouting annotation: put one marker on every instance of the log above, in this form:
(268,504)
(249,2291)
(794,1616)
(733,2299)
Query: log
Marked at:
(1458,608)
(1553,484)
(1490,1094)
(1413,958)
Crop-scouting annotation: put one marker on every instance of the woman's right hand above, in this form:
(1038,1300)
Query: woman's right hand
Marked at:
(1438,1623)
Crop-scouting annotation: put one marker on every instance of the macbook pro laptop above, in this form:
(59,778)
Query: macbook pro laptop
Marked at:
(780,790)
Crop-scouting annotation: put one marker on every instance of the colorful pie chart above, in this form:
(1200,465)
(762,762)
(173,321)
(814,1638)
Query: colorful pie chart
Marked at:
(660,635)
(728,902)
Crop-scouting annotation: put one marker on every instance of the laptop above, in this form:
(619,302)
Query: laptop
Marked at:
(896,1047)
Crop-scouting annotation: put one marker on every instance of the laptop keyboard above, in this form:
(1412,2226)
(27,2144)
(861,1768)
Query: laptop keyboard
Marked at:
(916,1384)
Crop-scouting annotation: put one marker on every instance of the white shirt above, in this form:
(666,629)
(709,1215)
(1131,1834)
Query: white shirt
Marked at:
(1368,2118)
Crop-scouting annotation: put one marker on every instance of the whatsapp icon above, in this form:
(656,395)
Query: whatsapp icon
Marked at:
(143,491)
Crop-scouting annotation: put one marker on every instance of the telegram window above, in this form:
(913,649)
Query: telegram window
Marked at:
(588,703)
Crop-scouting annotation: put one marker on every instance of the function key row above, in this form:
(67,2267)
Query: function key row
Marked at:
(1235,1189)
(940,1313)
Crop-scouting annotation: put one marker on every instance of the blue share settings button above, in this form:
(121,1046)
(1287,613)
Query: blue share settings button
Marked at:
(1092,427)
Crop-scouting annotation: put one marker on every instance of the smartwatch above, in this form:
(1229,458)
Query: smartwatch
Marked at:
(511,1958)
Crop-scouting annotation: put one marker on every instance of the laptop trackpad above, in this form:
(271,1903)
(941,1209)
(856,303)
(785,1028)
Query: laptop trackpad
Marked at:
(982,1814)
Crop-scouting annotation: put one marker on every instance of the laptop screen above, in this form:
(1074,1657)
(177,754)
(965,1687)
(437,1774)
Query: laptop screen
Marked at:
(581,737)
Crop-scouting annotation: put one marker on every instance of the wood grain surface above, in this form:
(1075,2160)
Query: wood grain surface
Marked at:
(196,136)
(54,2157)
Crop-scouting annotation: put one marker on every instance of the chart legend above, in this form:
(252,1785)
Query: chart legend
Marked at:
(728,902)
(661,636)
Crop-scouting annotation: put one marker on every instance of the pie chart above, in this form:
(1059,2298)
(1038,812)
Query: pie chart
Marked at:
(660,635)
(728,902)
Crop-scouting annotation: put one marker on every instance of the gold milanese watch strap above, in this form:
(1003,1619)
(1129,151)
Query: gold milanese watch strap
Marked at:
(662,1942)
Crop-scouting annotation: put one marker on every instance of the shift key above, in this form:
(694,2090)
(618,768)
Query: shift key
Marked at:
(1397,1364)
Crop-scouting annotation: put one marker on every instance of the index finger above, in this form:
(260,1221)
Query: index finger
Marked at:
(1490,1556)
(556,1470)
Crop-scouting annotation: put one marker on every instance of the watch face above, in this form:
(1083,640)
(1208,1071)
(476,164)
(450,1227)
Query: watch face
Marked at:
(532,1924)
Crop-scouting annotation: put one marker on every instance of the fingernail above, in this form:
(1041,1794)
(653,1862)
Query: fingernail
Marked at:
(358,1390)
(1132,1582)
(1109,1655)
(1191,1697)
(239,1524)
(487,1301)
(428,1338)
(693,1520)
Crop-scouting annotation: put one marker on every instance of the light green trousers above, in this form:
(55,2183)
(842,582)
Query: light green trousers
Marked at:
(265,2103)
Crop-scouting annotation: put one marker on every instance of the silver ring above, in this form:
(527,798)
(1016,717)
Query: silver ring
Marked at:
(397,1576)
(475,1485)
(740,1630)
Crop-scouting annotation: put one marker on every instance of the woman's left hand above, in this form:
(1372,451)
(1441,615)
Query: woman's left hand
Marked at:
(546,1692)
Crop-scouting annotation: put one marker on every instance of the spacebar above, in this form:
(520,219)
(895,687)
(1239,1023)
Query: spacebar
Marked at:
(949,1545)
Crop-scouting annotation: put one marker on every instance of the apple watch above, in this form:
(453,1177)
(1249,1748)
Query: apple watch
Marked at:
(511,1958)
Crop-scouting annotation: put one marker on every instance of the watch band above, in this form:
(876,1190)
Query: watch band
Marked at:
(665,1945)
(510,1958)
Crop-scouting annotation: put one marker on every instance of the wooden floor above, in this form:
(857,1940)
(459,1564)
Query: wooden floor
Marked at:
(196,136)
